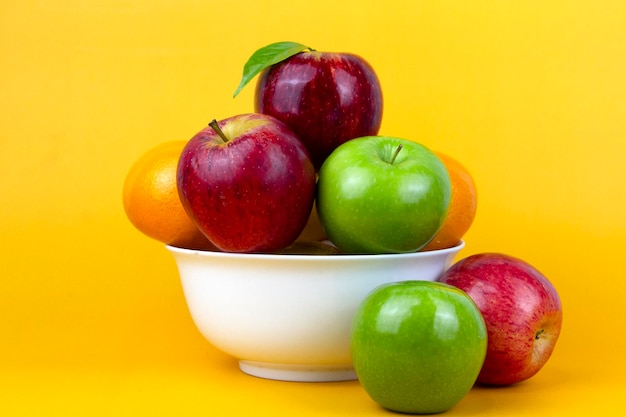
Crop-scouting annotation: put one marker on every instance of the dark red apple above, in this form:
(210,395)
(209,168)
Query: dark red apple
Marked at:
(326,98)
(248,183)
(522,311)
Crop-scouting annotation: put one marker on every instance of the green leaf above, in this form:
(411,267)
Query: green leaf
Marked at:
(268,56)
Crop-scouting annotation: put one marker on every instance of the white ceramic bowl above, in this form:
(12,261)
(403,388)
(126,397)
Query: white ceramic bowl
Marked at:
(288,317)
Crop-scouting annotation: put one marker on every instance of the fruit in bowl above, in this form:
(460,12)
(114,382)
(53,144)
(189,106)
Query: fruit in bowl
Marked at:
(288,316)
(463,205)
(151,201)
(380,194)
(248,183)
(326,98)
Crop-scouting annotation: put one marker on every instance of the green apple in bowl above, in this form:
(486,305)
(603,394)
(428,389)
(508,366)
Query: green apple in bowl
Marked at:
(380,194)
(418,346)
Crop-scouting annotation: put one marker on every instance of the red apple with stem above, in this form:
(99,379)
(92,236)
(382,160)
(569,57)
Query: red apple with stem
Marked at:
(248,183)
(326,98)
(521,308)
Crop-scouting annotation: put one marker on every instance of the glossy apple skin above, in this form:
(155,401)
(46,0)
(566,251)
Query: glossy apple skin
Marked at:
(418,346)
(253,193)
(368,205)
(326,98)
(522,310)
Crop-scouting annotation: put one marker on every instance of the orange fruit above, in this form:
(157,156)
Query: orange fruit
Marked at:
(151,199)
(462,208)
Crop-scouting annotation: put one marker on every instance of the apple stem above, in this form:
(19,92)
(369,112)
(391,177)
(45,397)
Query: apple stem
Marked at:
(539,332)
(217,129)
(395,154)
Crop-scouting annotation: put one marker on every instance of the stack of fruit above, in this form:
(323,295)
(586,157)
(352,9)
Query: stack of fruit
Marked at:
(307,172)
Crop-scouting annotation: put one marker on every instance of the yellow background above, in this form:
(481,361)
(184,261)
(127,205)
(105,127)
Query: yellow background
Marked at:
(529,95)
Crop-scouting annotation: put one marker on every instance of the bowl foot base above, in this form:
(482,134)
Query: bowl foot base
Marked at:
(298,373)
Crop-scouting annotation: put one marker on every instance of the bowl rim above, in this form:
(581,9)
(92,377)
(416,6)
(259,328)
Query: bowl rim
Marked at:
(327,258)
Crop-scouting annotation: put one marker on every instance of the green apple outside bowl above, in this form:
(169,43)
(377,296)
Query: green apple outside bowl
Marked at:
(418,346)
